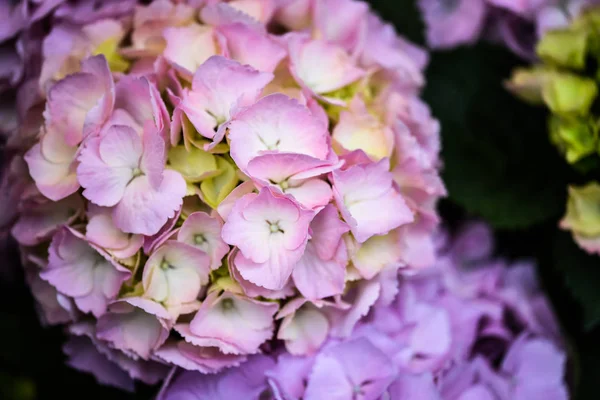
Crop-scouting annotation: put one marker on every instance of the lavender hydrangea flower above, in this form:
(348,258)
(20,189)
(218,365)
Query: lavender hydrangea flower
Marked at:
(470,327)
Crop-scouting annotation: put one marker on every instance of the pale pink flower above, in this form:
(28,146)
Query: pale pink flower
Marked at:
(320,66)
(77,107)
(180,41)
(131,329)
(220,87)
(67,45)
(384,49)
(321,271)
(368,201)
(102,231)
(304,328)
(358,129)
(124,170)
(276,123)
(235,324)
(140,100)
(40,218)
(377,253)
(150,21)
(174,275)
(204,232)
(343,22)
(294,174)
(219,12)
(271,232)
(294,15)
(251,46)
(79,271)
(207,360)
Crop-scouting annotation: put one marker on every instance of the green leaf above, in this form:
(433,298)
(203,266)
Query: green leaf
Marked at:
(498,162)
(581,275)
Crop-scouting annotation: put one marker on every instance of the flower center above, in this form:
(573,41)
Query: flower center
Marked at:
(137,172)
(164,265)
(274,146)
(274,227)
(227,304)
(199,238)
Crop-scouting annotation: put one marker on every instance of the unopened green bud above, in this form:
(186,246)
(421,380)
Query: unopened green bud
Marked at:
(569,95)
(193,164)
(527,83)
(583,210)
(576,138)
(564,48)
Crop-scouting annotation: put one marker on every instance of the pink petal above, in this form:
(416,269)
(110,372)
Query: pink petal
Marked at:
(252,47)
(368,201)
(233,323)
(317,278)
(304,331)
(252,290)
(203,231)
(226,206)
(359,130)
(38,221)
(54,180)
(343,321)
(193,36)
(141,99)
(377,253)
(327,230)
(276,123)
(341,22)
(311,193)
(175,273)
(84,356)
(128,328)
(120,147)
(145,210)
(207,360)
(219,86)
(321,66)
(102,231)
(71,99)
(104,184)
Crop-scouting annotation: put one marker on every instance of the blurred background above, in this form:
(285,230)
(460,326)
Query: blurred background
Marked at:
(499,166)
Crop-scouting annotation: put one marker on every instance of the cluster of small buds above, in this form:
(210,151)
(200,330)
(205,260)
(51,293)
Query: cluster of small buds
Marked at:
(518,24)
(211,178)
(565,81)
(469,327)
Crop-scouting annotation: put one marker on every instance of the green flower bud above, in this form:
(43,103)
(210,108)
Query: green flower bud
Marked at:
(214,190)
(564,48)
(193,164)
(583,210)
(569,95)
(527,83)
(576,138)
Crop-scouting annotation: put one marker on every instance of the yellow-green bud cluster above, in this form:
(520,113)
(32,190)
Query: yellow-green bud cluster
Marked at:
(566,82)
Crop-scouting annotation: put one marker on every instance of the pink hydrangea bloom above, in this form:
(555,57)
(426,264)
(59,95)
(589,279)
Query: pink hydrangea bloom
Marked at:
(214,179)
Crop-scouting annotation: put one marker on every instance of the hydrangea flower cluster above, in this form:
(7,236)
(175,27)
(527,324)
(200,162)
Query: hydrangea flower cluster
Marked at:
(518,24)
(470,327)
(566,82)
(211,177)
